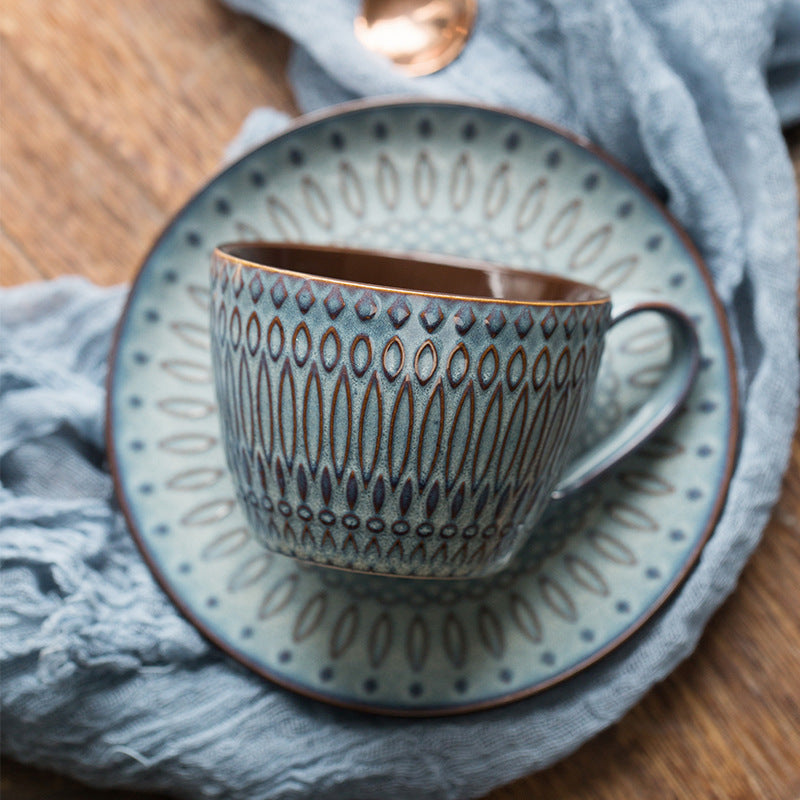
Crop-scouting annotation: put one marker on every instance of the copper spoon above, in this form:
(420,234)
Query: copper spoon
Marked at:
(419,36)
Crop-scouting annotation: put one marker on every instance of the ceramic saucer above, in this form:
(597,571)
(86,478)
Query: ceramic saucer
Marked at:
(447,178)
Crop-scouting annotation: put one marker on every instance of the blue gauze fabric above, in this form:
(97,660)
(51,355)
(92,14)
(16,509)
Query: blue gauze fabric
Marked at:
(103,679)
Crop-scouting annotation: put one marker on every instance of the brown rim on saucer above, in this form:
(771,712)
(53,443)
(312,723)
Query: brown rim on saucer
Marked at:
(413,274)
(356,106)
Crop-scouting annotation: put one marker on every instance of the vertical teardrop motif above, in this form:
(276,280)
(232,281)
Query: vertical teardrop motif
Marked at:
(287,414)
(424,179)
(401,429)
(460,437)
(316,202)
(562,224)
(487,437)
(266,431)
(313,419)
(512,441)
(246,414)
(351,189)
(590,248)
(341,423)
(497,191)
(617,272)
(430,435)
(417,643)
(379,639)
(284,219)
(461,182)
(370,428)
(535,438)
(531,205)
(454,638)
(388,181)
(229,383)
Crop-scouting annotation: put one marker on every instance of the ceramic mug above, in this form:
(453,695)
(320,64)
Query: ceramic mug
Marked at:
(386,414)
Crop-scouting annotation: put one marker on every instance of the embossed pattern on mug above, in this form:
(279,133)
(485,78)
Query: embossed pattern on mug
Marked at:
(385,428)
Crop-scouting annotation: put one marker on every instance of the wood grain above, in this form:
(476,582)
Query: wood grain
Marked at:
(112,115)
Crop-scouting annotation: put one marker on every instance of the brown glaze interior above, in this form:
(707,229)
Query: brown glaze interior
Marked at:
(455,277)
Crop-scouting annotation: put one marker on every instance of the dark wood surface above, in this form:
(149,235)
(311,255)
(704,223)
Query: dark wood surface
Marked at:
(113,113)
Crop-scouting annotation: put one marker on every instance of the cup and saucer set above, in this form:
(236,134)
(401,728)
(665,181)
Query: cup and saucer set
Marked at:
(422,407)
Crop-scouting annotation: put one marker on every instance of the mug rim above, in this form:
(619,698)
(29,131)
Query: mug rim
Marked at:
(236,252)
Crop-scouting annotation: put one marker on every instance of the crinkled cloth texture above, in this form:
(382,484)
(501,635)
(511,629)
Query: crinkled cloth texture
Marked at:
(103,679)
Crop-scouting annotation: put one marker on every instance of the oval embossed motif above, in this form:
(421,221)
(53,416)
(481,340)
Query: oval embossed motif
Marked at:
(531,205)
(200,296)
(516,368)
(631,517)
(586,575)
(487,366)
(287,414)
(192,480)
(417,643)
(497,191)
(425,361)
(562,224)
(187,407)
(344,630)
(487,437)
(370,428)
(460,437)
(250,572)
(275,338)
(388,180)
(457,364)
(430,434)
(361,354)
(316,202)
(225,544)
(512,441)
(558,598)
(455,640)
(461,182)
(401,430)
(526,618)
(351,189)
(209,513)
(253,333)
(341,422)
(330,348)
(394,357)
(301,344)
(191,333)
(379,640)
(313,419)
(310,616)
(491,632)
(284,219)
(187,371)
(188,444)
(646,483)
(590,248)
(424,179)
(611,548)
(617,273)
(246,410)
(266,431)
(279,596)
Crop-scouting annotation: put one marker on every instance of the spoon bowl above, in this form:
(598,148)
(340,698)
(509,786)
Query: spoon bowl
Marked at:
(420,37)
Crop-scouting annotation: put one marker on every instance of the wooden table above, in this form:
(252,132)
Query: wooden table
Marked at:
(112,114)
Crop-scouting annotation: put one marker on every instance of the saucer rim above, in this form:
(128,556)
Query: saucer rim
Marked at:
(653,609)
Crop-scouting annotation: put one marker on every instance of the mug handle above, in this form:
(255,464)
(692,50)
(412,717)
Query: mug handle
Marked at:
(657,410)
